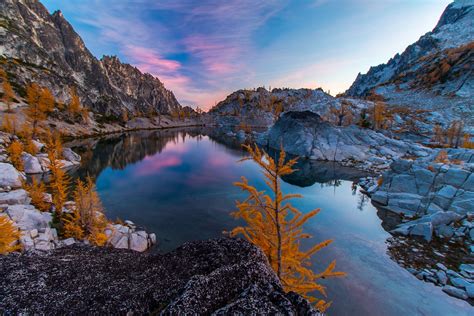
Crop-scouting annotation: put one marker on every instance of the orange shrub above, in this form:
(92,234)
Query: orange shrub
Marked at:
(14,151)
(9,235)
(37,191)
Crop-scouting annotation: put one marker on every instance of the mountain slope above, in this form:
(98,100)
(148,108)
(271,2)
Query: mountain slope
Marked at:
(36,46)
(435,73)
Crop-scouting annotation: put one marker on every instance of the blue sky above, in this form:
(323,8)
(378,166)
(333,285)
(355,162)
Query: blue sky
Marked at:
(204,50)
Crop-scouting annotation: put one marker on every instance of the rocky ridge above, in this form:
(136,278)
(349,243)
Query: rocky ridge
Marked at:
(434,73)
(36,46)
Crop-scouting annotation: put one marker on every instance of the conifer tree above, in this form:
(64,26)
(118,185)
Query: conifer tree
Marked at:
(275,226)
(59,180)
(379,115)
(9,124)
(74,104)
(14,151)
(9,235)
(88,219)
(37,191)
(8,94)
(46,98)
(36,110)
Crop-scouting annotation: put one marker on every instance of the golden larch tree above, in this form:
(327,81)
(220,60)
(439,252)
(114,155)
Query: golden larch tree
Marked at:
(36,109)
(8,94)
(87,219)
(275,226)
(9,235)
(59,180)
(74,104)
(47,100)
(14,150)
(9,123)
(379,115)
(37,191)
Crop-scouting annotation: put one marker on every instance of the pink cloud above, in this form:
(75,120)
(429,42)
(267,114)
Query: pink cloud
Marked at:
(150,60)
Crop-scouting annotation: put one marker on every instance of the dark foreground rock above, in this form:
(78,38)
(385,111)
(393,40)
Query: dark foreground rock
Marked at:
(219,276)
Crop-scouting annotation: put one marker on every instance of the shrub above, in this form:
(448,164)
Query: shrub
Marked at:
(442,157)
(14,151)
(87,221)
(37,191)
(9,235)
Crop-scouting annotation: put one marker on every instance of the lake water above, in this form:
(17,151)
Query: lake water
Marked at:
(178,184)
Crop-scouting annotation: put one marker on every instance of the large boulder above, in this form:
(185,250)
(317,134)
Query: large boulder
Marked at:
(19,196)
(27,217)
(71,156)
(138,242)
(221,276)
(306,134)
(9,176)
(31,164)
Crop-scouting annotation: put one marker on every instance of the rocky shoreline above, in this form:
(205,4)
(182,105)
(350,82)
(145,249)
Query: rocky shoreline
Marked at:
(435,201)
(37,232)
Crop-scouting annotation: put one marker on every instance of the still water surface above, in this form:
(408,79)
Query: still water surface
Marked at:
(178,184)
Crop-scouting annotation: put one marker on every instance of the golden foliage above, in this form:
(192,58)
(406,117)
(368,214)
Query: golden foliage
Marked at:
(37,191)
(87,219)
(341,115)
(15,149)
(36,109)
(244,127)
(8,94)
(275,226)
(46,98)
(30,146)
(467,143)
(53,141)
(9,124)
(442,157)
(59,180)
(74,106)
(9,235)
(379,114)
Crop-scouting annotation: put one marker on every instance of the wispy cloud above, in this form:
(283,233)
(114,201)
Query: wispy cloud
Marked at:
(203,50)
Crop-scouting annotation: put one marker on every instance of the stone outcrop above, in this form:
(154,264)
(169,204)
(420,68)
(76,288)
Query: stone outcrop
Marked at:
(126,236)
(425,186)
(305,134)
(220,276)
(40,162)
(256,108)
(44,48)
(9,176)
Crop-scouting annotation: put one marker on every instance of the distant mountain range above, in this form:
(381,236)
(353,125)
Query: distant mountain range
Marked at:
(36,46)
(434,73)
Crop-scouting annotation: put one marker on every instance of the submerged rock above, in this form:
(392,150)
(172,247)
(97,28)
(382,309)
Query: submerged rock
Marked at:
(222,276)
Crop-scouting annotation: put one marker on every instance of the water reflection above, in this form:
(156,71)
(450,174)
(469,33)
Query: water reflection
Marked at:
(179,185)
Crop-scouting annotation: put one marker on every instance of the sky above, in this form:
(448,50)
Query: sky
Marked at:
(204,50)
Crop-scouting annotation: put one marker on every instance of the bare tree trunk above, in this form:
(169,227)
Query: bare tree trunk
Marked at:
(277,219)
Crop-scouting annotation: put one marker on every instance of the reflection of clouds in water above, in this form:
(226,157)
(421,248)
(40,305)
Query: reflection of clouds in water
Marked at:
(155,164)
(176,145)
